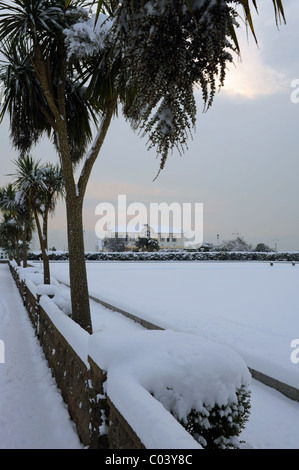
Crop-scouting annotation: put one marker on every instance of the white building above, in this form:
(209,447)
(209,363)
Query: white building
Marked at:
(167,237)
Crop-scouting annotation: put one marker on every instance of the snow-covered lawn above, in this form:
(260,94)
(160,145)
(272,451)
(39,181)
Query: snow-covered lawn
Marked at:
(250,306)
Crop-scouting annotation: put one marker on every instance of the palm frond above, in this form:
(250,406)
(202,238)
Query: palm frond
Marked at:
(278,12)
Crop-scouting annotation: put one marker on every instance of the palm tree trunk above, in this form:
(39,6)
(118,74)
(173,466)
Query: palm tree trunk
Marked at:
(17,253)
(45,256)
(77,268)
(24,240)
(45,227)
(74,207)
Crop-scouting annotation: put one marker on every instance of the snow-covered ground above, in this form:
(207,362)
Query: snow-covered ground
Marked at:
(25,379)
(250,306)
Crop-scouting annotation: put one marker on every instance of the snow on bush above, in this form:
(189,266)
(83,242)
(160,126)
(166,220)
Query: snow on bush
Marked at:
(33,278)
(46,289)
(204,385)
(33,274)
(61,300)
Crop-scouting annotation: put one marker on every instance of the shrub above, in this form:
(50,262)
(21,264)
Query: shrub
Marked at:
(174,256)
(218,427)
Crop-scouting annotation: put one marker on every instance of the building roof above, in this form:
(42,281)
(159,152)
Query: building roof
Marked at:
(163,229)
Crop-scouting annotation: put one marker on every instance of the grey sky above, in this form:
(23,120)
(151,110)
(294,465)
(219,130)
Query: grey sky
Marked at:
(242,163)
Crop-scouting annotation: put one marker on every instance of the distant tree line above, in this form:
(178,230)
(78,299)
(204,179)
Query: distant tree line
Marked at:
(237,244)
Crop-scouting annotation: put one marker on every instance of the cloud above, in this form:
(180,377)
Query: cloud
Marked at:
(109,191)
(251,78)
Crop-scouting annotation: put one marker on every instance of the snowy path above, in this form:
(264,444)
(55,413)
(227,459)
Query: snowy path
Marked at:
(32,412)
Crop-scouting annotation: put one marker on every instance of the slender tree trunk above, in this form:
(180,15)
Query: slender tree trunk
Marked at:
(77,267)
(45,227)
(17,253)
(74,207)
(24,240)
(45,256)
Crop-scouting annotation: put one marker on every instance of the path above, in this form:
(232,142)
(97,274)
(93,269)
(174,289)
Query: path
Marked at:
(32,412)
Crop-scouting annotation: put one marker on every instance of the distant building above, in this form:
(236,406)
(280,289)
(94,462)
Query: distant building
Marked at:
(3,254)
(167,237)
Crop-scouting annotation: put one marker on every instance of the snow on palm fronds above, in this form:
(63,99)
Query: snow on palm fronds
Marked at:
(86,37)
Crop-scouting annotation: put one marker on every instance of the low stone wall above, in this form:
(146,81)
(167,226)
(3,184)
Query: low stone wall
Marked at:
(120,434)
(99,424)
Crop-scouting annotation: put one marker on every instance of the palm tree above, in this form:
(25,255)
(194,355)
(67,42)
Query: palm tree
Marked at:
(27,186)
(17,211)
(153,73)
(51,189)
(10,236)
(44,93)
(37,186)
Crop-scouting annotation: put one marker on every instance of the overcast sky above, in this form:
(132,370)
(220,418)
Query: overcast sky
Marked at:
(242,163)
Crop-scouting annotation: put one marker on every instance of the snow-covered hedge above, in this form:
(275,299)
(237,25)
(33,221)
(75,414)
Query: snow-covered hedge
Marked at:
(175,256)
(204,385)
(33,277)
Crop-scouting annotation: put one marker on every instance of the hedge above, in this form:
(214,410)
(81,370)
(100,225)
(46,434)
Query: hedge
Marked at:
(174,256)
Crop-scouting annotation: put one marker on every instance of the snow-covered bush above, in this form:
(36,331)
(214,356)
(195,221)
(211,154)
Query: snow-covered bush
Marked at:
(31,273)
(203,385)
(33,278)
(218,427)
(59,298)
